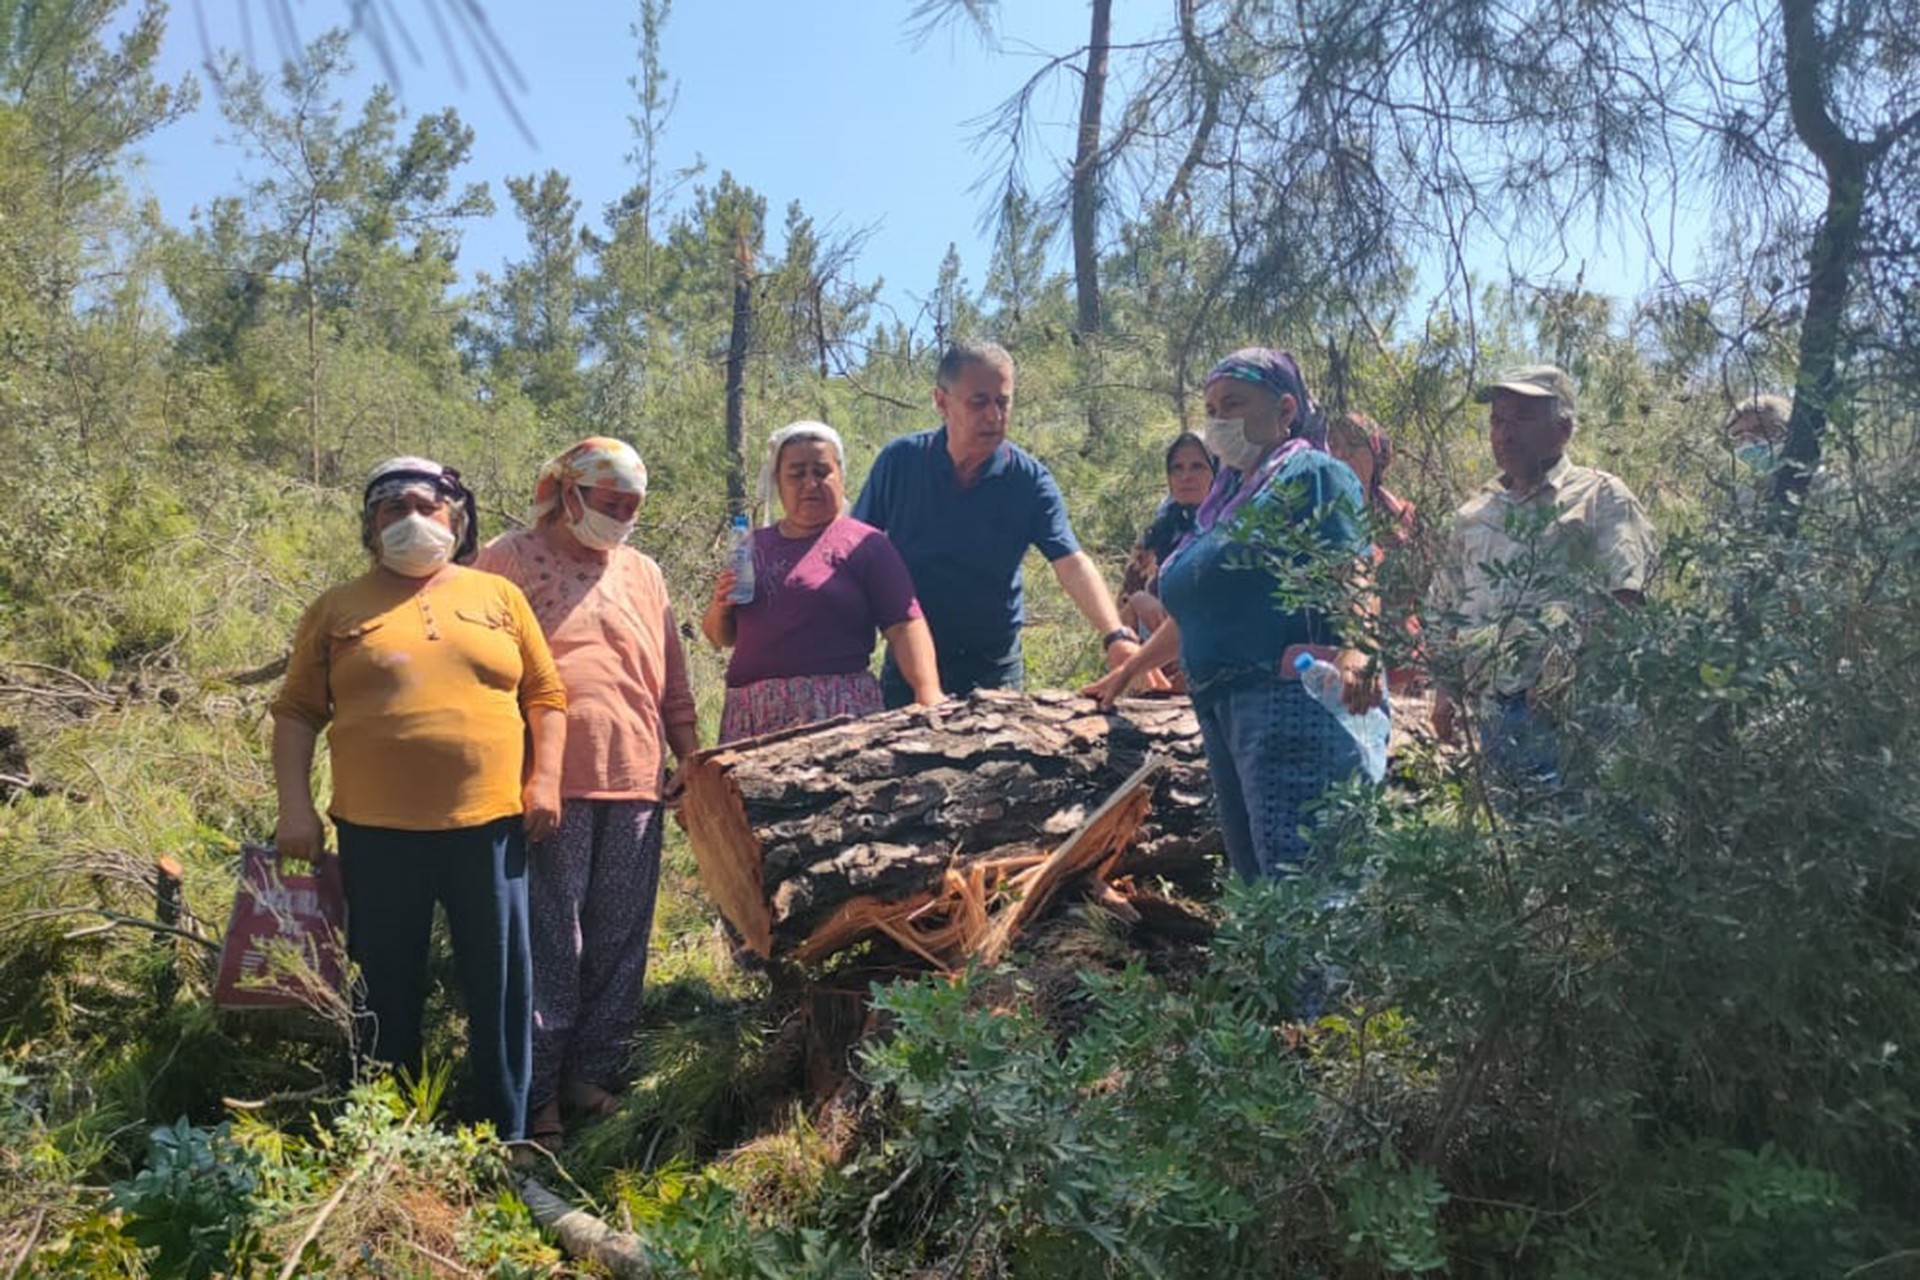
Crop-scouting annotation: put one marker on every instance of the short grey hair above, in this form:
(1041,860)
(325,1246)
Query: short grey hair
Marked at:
(1773,413)
(963,352)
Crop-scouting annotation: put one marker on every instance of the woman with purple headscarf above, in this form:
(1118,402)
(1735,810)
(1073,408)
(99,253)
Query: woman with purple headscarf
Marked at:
(1272,750)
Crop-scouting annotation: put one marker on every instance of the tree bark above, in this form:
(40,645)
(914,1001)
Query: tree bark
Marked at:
(822,832)
(1846,163)
(737,376)
(581,1235)
(1085,215)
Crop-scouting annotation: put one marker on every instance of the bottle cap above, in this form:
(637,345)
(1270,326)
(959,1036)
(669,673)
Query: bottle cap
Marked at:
(1303,662)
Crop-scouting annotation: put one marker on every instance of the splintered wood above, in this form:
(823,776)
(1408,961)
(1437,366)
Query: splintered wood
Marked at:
(948,829)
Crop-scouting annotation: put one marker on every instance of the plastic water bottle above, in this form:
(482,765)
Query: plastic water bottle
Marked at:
(740,556)
(1370,729)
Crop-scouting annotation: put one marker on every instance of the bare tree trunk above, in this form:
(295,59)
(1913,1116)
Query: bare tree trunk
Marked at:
(1086,173)
(737,375)
(1836,245)
(313,342)
(1084,218)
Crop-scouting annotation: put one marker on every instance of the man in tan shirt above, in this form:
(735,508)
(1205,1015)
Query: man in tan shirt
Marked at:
(1530,562)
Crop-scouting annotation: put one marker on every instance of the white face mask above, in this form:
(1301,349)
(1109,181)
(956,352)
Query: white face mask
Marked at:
(415,546)
(599,532)
(1227,440)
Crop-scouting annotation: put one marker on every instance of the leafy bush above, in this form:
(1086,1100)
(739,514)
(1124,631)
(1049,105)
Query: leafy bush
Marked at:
(1652,1025)
(192,1206)
(1178,1132)
(692,1225)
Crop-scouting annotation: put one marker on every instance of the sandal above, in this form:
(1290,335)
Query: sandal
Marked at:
(590,1099)
(544,1130)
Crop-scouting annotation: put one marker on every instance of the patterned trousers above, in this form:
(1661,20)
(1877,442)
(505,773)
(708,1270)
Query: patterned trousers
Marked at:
(1272,752)
(591,887)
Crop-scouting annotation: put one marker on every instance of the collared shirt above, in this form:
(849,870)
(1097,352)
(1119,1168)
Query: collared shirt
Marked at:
(1523,574)
(963,544)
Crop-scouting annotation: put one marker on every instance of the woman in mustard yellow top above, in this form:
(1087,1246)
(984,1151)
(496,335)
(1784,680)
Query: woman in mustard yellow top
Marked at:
(430,679)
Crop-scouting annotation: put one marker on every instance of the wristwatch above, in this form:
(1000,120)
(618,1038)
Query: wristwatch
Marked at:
(1119,633)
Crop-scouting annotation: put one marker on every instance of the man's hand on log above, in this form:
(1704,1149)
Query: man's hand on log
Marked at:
(1151,679)
(1108,689)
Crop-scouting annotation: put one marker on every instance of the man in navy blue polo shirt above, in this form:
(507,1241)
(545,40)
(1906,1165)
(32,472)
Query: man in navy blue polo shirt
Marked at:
(962,504)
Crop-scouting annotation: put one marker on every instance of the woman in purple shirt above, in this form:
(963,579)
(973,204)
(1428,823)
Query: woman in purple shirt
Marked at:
(823,584)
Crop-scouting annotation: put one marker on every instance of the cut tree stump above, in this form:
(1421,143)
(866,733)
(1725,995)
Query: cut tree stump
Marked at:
(930,824)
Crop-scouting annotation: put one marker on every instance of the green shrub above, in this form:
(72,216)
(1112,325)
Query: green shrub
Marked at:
(192,1206)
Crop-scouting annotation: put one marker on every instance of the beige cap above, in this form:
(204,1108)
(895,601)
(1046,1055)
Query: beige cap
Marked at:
(1536,381)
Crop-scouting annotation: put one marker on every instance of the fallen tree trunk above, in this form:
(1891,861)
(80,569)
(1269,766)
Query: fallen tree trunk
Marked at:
(914,823)
(581,1235)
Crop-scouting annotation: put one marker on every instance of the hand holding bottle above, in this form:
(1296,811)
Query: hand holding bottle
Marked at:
(1369,729)
(740,560)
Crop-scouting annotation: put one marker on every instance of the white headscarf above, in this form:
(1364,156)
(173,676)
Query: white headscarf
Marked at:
(806,429)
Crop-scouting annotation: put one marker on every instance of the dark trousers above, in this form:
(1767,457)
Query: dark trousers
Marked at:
(479,875)
(1522,745)
(961,672)
(1272,752)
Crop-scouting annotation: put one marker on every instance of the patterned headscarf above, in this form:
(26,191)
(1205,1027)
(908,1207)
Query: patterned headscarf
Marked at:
(802,430)
(1279,373)
(598,462)
(1359,428)
(397,475)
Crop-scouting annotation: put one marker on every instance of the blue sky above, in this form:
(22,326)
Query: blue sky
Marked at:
(835,105)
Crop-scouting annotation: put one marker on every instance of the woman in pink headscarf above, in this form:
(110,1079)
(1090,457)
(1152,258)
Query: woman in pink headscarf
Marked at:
(604,608)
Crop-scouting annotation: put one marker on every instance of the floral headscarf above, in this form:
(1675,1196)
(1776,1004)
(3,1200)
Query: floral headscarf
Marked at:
(598,462)
(1279,373)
